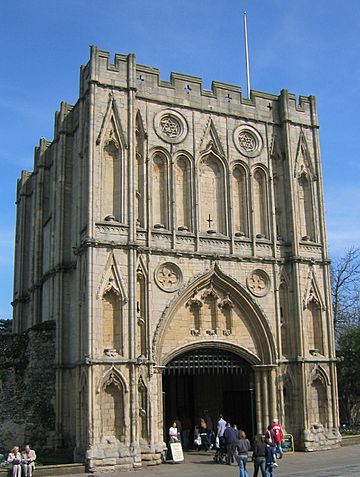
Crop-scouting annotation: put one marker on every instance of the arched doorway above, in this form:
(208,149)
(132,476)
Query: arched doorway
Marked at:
(212,379)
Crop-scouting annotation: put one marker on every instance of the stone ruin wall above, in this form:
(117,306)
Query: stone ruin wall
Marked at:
(27,388)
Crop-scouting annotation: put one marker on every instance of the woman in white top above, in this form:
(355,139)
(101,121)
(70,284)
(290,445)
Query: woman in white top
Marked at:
(173,433)
(14,460)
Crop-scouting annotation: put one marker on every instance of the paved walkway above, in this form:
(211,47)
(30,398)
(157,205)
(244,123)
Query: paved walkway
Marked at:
(342,462)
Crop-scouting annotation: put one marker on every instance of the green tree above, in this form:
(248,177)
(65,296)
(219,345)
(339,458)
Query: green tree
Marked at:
(5,327)
(349,375)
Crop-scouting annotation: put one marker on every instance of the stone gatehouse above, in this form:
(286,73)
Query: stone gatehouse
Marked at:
(176,236)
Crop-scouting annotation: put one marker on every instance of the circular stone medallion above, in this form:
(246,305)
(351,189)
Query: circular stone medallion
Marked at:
(170,126)
(168,277)
(248,141)
(258,282)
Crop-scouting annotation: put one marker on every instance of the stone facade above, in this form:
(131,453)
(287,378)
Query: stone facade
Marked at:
(164,219)
(27,388)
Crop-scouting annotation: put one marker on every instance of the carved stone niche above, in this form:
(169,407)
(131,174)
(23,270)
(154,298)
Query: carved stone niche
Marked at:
(258,282)
(168,277)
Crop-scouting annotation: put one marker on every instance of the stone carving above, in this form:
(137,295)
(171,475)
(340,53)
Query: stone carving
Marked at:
(258,282)
(168,277)
(170,126)
(248,141)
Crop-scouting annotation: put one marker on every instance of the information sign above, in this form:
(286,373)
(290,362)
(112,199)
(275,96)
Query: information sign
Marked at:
(176,451)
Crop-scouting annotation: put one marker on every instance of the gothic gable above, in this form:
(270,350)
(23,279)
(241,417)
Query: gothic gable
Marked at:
(210,140)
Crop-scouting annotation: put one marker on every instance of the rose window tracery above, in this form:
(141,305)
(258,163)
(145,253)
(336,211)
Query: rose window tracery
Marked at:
(170,126)
(247,141)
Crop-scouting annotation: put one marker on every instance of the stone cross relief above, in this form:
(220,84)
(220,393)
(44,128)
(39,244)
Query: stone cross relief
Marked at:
(167,277)
(257,283)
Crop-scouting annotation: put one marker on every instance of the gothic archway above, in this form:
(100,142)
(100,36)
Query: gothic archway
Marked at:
(209,380)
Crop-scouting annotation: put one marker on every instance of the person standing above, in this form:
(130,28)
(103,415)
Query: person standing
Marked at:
(277,435)
(205,441)
(14,459)
(259,455)
(231,439)
(28,461)
(243,447)
(269,461)
(220,428)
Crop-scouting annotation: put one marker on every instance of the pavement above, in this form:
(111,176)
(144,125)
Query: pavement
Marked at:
(342,462)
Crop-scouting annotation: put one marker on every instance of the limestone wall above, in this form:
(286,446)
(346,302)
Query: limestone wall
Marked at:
(27,388)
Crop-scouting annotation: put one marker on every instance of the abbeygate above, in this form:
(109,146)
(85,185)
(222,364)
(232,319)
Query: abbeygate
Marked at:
(176,237)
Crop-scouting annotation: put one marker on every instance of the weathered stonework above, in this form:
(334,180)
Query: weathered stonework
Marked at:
(164,221)
(27,388)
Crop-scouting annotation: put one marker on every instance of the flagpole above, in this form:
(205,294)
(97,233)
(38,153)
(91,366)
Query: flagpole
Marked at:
(247,58)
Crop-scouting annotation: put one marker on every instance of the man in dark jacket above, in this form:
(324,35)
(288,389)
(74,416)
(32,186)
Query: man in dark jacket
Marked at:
(231,438)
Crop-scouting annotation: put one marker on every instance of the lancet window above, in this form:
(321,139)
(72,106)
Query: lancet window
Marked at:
(212,195)
(113,175)
(306,209)
(239,196)
(260,204)
(183,194)
(160,192)
(140,174)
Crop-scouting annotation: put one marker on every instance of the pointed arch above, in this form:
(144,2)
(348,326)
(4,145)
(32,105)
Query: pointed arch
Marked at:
(112,280)
(211,140)
(318,396)
(160,189)
(313,307)
(111,291)
(277,157)
(113,145)
(111,405)
(212,197)
(286,327)
(143,409)
(140,174)
(240,200)
(252,319)
(183,192)
(303,163)
(260,203)
(141,309)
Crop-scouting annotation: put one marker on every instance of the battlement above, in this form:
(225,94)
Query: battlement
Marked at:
(187,91)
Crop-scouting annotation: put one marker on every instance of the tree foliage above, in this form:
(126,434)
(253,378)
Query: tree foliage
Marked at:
(5,327)
(349,375)
(345,289)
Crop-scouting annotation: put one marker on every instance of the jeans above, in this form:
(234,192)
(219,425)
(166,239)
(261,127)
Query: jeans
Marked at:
(242,460)
(278,450)
(260,462)
(269,470)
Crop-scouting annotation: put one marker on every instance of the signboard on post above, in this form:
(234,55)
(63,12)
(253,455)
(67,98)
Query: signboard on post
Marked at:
(288,444)
(176,452)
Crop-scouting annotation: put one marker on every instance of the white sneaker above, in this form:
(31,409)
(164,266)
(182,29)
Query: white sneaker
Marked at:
(275,464)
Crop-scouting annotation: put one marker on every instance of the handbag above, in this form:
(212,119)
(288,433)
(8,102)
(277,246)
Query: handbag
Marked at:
(197,441)
(15,462)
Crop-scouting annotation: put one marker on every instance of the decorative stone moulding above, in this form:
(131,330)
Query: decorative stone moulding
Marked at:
(248,141)
(170,126)
(258,282)
(168,277)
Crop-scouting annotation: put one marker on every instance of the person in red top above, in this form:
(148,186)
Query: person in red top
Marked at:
(277,436)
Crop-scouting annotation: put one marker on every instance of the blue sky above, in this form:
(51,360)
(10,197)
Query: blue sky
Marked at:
(307,47)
